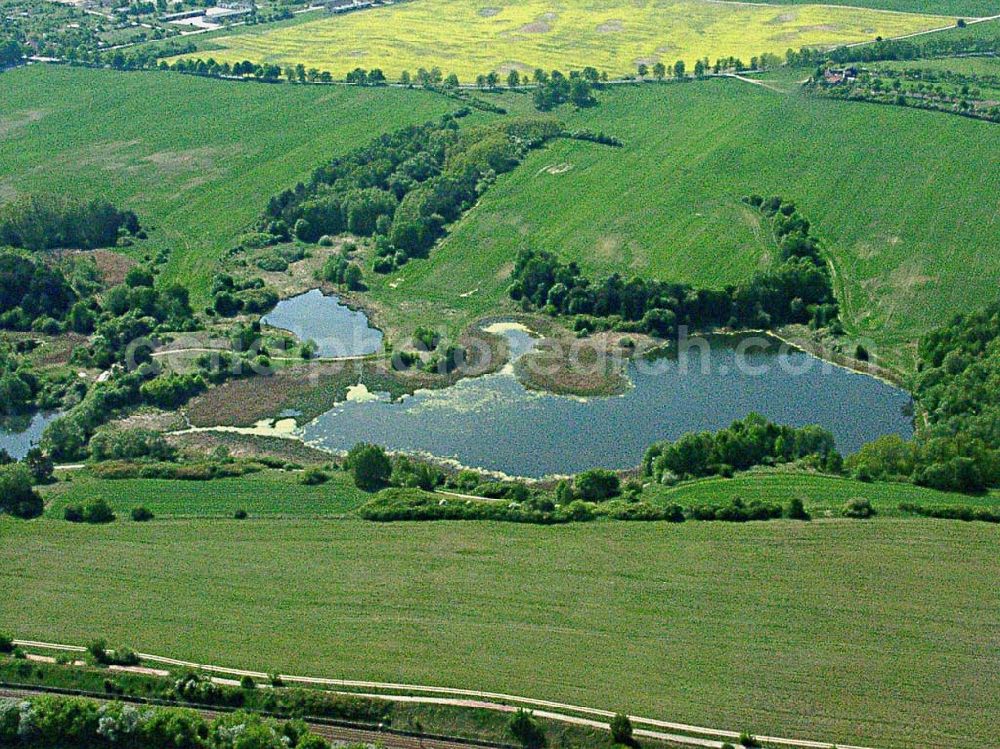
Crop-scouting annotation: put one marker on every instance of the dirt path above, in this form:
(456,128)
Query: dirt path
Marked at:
(691,735)
(754,81)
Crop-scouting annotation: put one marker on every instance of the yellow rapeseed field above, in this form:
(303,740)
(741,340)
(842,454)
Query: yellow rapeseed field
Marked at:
(469,38)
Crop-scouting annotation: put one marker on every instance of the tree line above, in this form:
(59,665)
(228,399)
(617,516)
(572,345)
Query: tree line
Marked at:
(43,222)
(403,188)
(749,442)
(79,723)
(957,390)
(797,290)
(934,45)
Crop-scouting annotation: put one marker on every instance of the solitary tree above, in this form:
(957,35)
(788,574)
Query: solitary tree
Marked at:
(513,79)
(621,730)
(679,69)
(527,730)
(659,70)
(369,465)
(643,70)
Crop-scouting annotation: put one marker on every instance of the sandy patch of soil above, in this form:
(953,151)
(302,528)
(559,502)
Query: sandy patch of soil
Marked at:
(193,159)
(488,12)
(611,26)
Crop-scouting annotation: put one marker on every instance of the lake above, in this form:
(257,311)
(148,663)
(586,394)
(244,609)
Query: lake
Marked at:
(18,434)
(336,328)
(493,422)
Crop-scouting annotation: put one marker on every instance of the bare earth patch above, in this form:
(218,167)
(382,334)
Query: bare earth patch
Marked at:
(556,168)
(536,27)
(781,19)
(489,12)
(17,120)
(610,27)
(201,159)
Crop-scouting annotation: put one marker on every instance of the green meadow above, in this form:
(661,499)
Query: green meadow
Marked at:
(883,633)
(823,496)
(904,201)
(270,494)
(196,159)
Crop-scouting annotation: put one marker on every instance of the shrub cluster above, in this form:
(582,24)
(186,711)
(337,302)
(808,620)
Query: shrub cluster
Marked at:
(201,471)
(76,723)
(43,222)
(797,290)
(954,512)
(958,390)
(17,494)
(750,442)
(404,187)
(94,511)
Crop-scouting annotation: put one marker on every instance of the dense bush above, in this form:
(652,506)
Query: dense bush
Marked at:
(95,511)
(737,511)
(797,290)
(859,508)
(99,651)
(17,494)
(369,466)
(128,444)
(141,514)
(121,469)
(596,485)
(529,733)
(744,444)
(38,222)
(954,512)
(413,504)
(29,290)
(76,723)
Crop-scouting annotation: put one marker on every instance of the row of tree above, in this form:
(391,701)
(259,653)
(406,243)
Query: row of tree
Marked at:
(797,290)
(42,222)
(403,188)
(936,45)
(958,393)
(77,723)
(750,442)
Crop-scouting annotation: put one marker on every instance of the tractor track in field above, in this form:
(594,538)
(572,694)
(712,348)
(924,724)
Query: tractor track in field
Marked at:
(662,730)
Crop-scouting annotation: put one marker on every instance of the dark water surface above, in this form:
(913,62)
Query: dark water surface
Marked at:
(336,328)
(494,422)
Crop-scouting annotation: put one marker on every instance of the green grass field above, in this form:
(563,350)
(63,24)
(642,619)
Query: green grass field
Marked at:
(956,8)
(196,159)
(884,632)
(905,201)
(611,35)
(822,496)
(265,494)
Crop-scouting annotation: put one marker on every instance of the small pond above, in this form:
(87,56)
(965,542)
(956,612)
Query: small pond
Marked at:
(18,434)
(336,328)
(494,422)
